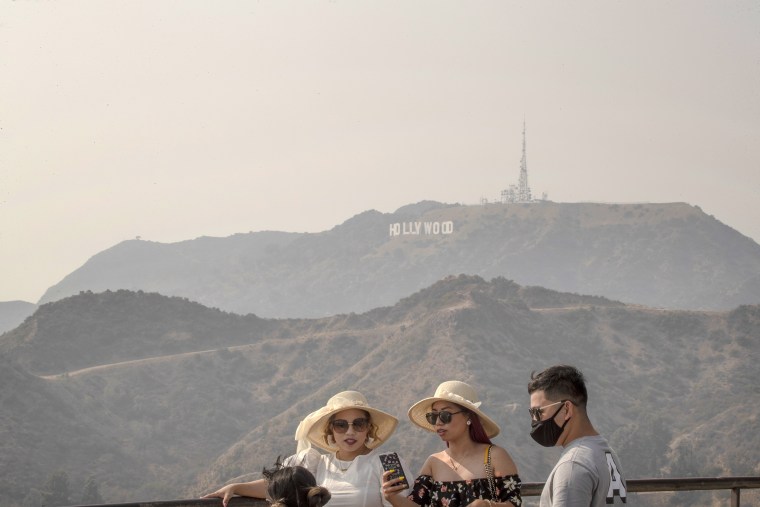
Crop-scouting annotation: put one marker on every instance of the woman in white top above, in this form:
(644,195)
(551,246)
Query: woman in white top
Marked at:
(351,431)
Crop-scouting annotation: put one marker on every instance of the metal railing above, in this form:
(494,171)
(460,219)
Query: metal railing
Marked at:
(734,484)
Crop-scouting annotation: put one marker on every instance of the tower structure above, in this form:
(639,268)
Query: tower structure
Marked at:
(523,190)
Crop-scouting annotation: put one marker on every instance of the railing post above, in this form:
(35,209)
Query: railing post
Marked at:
(735,497)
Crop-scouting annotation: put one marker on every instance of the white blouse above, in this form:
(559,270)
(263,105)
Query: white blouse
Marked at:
(351,483)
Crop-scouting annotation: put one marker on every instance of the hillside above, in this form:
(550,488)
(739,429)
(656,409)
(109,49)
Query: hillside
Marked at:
(661,255)
(94,329)
(183,398)
(45,428)
(13,313)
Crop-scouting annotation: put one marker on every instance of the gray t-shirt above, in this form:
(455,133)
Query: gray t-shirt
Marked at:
(587,474)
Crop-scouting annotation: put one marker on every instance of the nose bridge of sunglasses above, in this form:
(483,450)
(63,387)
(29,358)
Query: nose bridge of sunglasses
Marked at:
(536,413)
(444,416)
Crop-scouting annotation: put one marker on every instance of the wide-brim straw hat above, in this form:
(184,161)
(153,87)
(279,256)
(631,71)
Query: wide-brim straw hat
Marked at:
(312,428)
(456,392)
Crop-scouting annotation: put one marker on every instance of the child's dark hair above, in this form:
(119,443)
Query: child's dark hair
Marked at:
(294,486)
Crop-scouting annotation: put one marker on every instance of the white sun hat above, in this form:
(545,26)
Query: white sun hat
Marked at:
(456,392)
(312,429)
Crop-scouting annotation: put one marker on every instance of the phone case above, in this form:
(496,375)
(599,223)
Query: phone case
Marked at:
(390,461)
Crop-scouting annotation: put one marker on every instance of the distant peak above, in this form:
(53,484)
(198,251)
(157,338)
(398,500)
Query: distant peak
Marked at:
(421,207)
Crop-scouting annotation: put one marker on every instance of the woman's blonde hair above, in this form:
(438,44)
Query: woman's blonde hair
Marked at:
(371,432)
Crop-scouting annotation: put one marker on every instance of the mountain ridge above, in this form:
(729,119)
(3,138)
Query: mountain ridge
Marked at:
(664,255)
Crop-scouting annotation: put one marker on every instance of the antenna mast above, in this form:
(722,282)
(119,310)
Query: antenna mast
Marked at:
(523,190)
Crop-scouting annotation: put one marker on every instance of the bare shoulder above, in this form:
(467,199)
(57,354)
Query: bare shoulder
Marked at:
(434,464)
(503,463)
(440,456)
(427,467)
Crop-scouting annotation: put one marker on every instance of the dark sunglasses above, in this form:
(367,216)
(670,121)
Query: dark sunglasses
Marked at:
(341,425)
(536,413)
(445,416)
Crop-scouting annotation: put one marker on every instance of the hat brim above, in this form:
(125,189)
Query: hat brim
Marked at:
(418,410)
(385,423)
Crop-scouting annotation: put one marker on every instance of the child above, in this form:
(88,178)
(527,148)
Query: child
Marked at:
(294,487)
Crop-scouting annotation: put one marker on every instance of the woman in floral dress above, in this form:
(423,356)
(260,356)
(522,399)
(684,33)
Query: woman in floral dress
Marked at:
(459,475)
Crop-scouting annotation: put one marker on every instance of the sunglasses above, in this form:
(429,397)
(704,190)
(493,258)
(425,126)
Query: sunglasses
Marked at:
(536,413)
(445,416)
(341,425)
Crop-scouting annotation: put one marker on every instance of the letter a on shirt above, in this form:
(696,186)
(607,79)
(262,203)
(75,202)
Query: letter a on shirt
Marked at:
(617,487)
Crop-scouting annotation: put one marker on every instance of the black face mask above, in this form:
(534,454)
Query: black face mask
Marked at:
(547,432)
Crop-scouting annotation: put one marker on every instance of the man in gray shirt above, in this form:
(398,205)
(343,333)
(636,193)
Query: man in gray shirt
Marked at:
(588,471)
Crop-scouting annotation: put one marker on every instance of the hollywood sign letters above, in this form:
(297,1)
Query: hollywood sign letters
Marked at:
(420,228)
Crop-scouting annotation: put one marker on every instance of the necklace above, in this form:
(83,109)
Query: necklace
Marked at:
(345,465)
(455,464)
(342,465)
(451,461)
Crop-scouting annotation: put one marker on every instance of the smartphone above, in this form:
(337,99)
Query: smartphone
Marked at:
(390,461)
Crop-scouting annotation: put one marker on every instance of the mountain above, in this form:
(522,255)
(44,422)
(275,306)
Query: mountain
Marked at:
(179,398)
(13,313)
(661,255)
(45,427)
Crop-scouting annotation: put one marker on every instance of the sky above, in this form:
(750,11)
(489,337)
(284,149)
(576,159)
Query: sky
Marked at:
(171,120)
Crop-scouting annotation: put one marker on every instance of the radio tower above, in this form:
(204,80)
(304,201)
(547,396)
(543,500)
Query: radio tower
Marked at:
(523,190)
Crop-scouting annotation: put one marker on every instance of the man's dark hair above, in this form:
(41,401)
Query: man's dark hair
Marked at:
(560,382)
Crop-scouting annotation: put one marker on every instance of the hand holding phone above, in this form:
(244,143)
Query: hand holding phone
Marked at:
(391,462)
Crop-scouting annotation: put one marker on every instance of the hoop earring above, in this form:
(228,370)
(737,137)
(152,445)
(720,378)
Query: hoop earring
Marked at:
(469,422)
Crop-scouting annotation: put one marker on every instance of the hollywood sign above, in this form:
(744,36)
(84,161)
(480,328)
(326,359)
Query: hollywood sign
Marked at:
(420,228)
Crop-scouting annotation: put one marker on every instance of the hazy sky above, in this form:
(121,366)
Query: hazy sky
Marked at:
(171,120)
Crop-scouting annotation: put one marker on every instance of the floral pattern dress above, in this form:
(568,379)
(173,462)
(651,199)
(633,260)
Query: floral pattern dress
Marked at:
(429,493)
